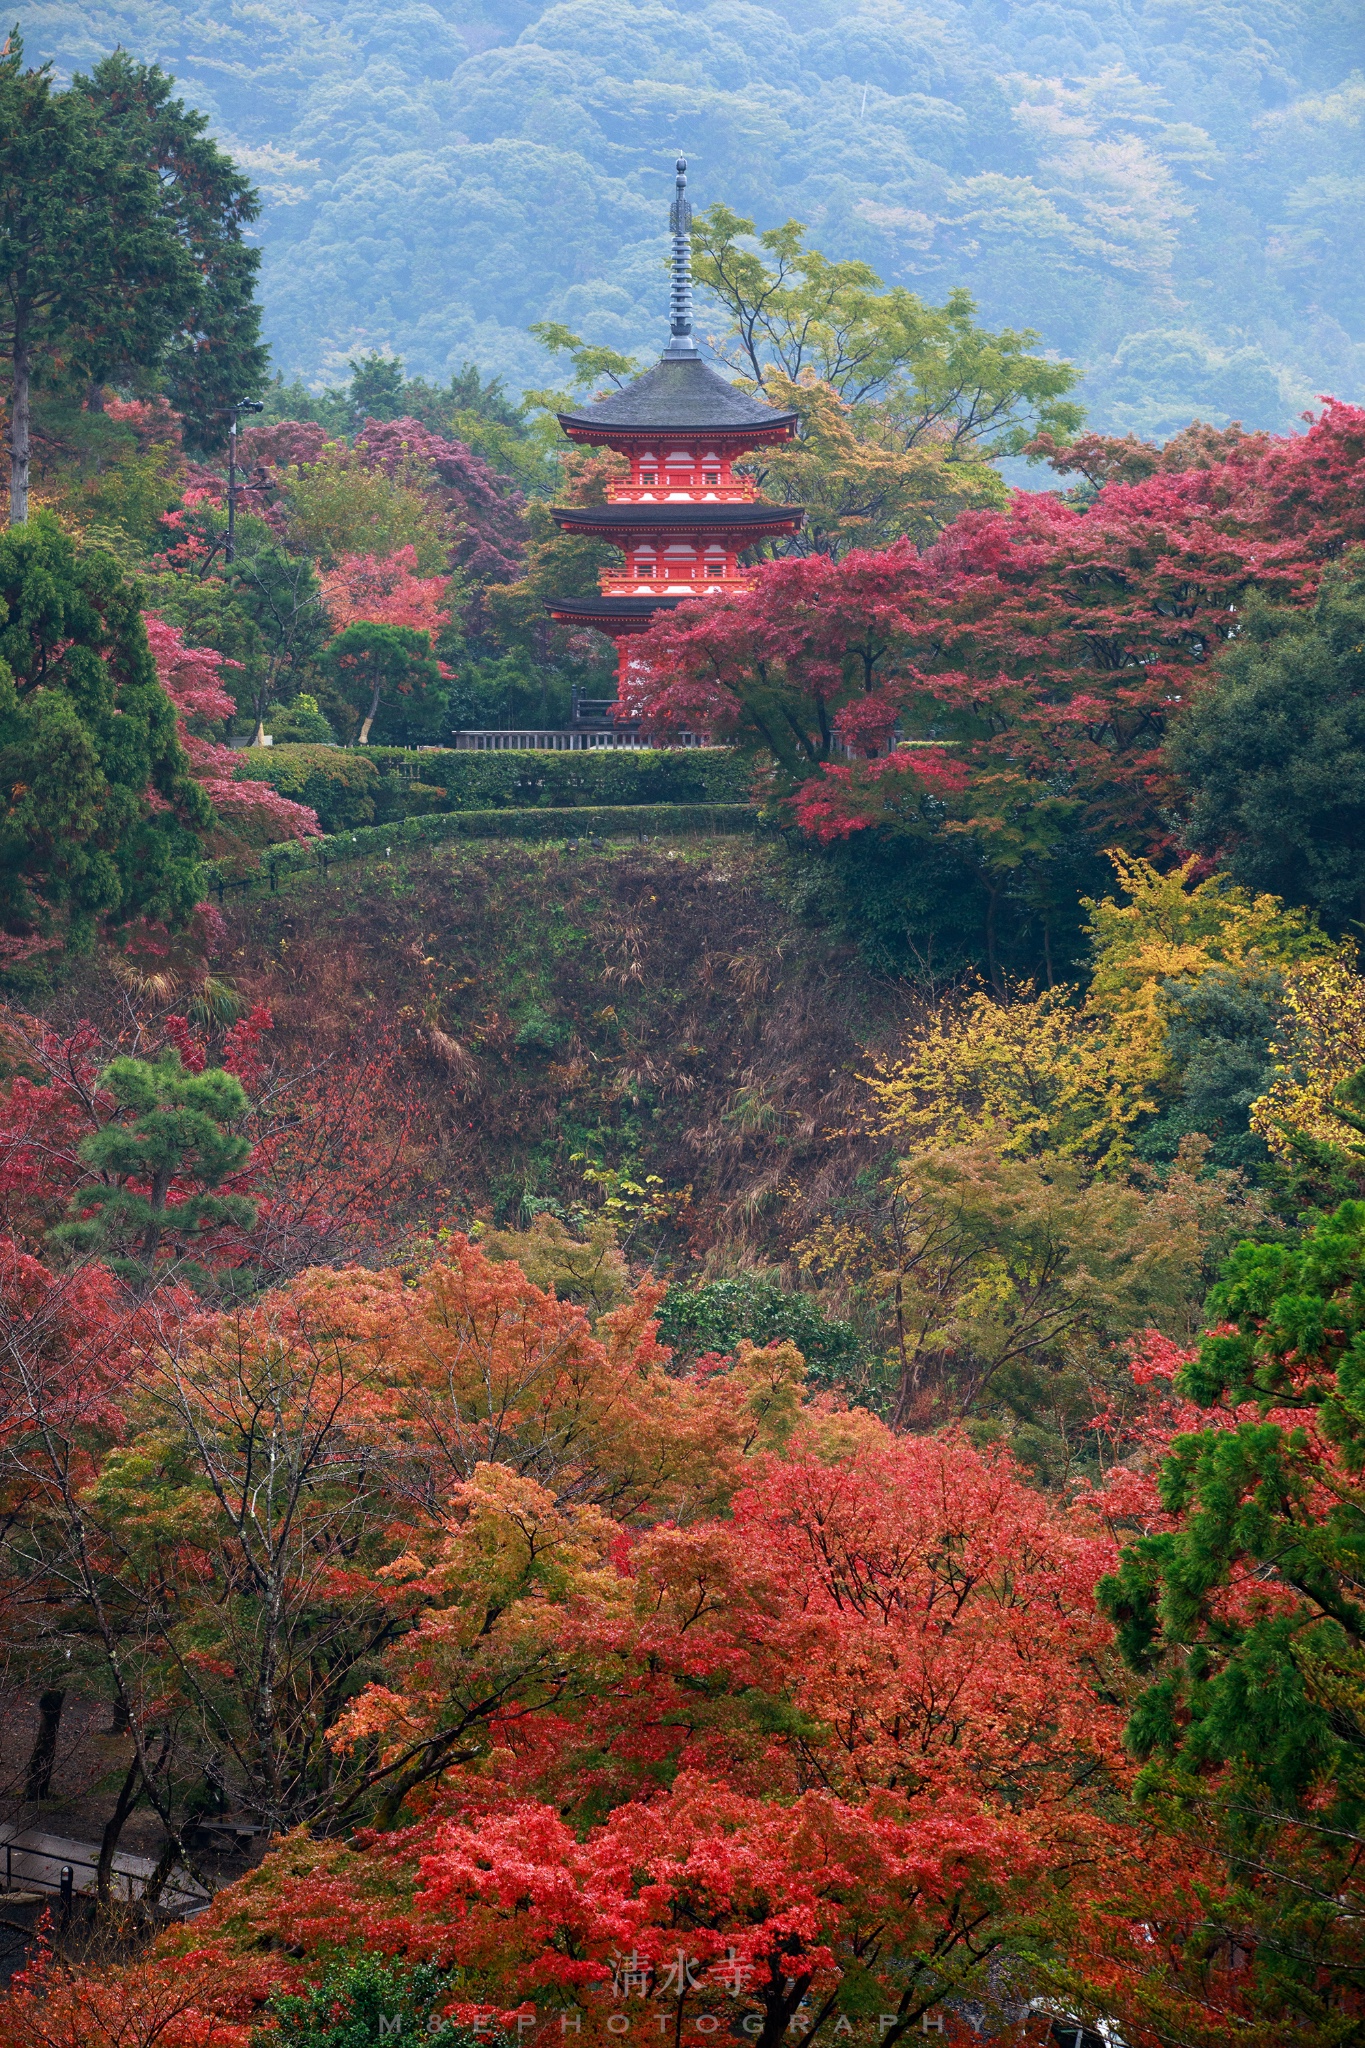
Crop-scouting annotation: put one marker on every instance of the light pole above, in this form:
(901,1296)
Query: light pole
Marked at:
(234,412)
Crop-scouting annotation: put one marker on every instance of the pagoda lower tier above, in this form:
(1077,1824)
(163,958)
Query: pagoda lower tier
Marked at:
(678,550)
(618,617)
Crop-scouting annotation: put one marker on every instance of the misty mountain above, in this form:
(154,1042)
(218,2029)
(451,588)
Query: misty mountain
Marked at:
(1172,195)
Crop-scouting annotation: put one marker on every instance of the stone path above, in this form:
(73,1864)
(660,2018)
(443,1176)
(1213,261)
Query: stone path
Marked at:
(33,1861)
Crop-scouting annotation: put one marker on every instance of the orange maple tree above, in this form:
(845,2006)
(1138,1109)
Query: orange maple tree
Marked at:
(636,1700)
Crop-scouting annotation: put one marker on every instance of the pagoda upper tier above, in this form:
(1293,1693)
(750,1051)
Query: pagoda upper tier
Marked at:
(680,395)
(681,517)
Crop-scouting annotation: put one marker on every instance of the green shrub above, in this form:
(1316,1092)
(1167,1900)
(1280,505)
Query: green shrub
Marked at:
(340,781)
(540,1032)
(300,723)
(338,784)
(716,1315)
(365,2000)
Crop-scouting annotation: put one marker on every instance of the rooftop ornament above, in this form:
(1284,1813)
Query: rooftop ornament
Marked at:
(680,296)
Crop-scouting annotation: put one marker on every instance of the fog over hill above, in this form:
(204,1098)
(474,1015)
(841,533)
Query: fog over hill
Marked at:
(1172,195)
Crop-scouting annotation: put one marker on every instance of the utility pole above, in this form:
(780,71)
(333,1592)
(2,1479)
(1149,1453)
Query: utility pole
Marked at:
(234,411)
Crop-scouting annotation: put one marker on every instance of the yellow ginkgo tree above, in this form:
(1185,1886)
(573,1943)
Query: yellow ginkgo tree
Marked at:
(1069,1071)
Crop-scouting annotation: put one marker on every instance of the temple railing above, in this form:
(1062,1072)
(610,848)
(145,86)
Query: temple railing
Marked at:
(562,739)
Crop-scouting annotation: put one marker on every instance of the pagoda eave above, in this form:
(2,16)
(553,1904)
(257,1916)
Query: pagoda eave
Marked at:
(745,522)
(613,615)
(594,433)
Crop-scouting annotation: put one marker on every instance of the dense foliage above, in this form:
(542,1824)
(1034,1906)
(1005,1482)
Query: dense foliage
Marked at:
(1005,693)
(1272,754)
(104,816)
(1242,1609)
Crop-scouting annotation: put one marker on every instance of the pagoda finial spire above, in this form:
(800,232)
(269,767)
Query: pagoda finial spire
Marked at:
(680,296)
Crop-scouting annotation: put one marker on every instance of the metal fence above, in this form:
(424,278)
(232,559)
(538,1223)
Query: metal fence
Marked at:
(64,1870)
(560,740)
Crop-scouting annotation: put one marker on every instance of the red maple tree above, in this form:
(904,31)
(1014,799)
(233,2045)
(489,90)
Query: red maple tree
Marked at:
(1046,647)
(191,678)
(385,590)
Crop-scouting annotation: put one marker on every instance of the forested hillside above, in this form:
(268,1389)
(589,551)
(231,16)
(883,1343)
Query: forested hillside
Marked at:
(1171,196)
(715,1386)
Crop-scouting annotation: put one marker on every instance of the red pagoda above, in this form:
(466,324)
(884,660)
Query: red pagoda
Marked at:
(682,518)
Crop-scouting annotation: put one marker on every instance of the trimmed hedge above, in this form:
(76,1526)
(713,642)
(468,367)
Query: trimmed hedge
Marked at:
(582,821)
(350,788)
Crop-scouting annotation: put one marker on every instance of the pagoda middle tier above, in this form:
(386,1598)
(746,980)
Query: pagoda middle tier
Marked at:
(681,517)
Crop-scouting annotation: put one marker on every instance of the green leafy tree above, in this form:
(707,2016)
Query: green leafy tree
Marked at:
(1220,1033)
(279,596)
(376,389)
(933,374)
(215,355)
(541,662)
(591,365)
(390,668)
(862,477)
(1273,752)
(1245,1614)
(102,819)
(902,407)
(263,610)
(338,505)
(92,273)
(161,1162)
(997,1289)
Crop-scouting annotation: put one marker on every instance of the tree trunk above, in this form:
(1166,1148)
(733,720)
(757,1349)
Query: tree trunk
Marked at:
(992,964)
(909,1380)
(18,432)
(38,1777)
(113,1828)
(170,1855)
(364,739)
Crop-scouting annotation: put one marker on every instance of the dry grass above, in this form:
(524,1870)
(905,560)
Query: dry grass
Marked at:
(653,1006)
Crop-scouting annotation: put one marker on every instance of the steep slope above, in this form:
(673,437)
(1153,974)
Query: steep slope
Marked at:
(660,1010)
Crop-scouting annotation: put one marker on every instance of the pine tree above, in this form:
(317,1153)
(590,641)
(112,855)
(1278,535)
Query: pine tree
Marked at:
(161,1166)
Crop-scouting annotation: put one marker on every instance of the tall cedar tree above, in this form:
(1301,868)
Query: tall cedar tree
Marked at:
(92,272)
(103,816)
(215,355)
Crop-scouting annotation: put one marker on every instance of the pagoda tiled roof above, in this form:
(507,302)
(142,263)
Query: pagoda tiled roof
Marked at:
(694,516)
(680,394)
(618,609)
